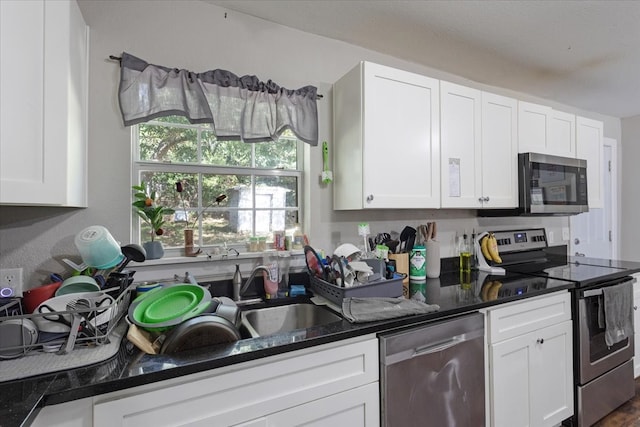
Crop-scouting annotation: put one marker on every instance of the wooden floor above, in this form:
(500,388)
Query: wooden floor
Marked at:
(627,415)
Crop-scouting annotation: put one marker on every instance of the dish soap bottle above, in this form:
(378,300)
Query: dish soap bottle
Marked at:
(237,283)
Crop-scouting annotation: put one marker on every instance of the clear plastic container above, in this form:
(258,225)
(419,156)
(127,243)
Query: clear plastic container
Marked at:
(270,260)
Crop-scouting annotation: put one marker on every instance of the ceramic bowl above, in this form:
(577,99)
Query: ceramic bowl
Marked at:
(33,297)
(77,284)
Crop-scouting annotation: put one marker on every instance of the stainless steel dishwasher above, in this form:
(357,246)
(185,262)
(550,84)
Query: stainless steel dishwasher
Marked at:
(433,374)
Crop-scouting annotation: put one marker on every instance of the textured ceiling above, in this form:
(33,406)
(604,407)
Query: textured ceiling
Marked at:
(580,53)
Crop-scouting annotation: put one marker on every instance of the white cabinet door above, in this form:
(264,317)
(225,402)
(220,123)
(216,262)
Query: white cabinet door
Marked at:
(386,139)
(460,144)
(532,378)
(358,407)
(510,382)
(562,134)
(43,81)
(479,148)
(589,146)
(499,151)
(541,129)
(552,375)
(533,121)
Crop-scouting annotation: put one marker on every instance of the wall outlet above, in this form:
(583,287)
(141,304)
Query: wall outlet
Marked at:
(10,282)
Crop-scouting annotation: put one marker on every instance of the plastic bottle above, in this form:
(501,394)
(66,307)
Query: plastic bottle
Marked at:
(237,283)
(270,260)
(298,238)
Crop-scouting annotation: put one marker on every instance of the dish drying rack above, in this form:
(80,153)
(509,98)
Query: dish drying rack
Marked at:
(91,332)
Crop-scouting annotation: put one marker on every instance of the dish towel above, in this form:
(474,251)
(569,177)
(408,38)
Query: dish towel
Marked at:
(618,314)
(360,310)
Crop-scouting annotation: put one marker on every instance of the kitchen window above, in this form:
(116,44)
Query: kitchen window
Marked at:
(261,182)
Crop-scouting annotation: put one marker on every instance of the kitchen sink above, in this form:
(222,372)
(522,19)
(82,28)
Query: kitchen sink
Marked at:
(285,318)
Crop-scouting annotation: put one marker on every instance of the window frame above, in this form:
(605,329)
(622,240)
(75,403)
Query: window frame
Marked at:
(138,166)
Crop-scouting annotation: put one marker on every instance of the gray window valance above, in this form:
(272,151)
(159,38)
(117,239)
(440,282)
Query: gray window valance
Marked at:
(238,107)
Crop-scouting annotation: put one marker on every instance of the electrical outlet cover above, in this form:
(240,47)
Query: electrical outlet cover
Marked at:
(10,282)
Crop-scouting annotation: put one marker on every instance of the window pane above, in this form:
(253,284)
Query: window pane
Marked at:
(283,191)
(224,153)
(160,143)
(237,188)
(277,155)
(229,227)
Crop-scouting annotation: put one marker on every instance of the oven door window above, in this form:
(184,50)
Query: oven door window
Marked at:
(596,325)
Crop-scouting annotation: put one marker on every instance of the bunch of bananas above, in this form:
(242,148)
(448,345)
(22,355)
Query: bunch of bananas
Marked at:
(490,290)
(489,247)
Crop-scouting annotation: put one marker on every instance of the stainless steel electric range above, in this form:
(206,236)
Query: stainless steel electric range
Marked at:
(603,367)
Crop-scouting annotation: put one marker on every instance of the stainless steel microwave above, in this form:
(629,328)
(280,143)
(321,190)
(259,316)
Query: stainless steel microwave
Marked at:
(548,185)
(552,185)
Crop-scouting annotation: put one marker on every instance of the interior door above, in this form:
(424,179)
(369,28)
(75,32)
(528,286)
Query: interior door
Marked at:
(593,233)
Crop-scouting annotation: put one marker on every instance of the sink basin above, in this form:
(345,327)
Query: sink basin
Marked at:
(285,318)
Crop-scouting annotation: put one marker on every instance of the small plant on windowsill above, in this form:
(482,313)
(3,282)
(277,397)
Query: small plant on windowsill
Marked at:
(152,214)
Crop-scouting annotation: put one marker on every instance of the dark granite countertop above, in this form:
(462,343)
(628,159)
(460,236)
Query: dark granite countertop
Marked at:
(20,400)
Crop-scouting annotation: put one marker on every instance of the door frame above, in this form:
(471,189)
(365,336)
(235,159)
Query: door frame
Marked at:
(615,211)
(613,206)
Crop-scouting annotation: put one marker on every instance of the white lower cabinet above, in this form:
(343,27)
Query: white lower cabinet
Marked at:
(531,362)
(333,384)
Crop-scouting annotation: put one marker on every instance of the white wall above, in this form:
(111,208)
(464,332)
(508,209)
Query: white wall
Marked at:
(199,36)
(630,190)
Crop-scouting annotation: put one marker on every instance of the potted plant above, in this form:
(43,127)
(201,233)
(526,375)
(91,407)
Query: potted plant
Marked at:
(152,214)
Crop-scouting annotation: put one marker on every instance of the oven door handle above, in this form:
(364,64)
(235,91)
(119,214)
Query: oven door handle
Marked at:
(592,293)
(596,292)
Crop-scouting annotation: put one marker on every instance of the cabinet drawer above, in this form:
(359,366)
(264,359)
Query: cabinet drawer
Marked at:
(522,317)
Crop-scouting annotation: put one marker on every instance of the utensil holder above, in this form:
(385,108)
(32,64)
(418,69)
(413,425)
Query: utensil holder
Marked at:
(402,266)
(433,259)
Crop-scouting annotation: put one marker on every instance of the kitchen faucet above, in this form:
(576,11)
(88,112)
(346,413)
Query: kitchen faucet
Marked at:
(238,291)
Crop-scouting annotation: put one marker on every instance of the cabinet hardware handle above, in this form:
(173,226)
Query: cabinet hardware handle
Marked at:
(540,341)
(369,198)
(635,307)
(480,199)
(486,199)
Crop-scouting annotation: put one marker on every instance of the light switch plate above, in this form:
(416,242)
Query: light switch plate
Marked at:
(10,282)
(566,235)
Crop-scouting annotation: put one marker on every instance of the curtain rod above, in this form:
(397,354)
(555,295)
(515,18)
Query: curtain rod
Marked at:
(119,59)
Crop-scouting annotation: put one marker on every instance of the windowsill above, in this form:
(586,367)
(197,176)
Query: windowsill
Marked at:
(203,257)
(205,268)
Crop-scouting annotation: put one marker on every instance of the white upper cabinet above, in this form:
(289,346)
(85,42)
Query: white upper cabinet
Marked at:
(43,108)
(479,148)
(499,151)
(460,133)
(386,139)
(589,146)
(562,134)
(541,129)
(533,120)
